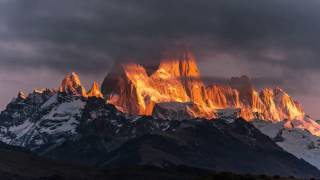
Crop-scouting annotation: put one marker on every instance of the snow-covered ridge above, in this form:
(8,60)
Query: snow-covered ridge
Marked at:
(41,118)
(294,137)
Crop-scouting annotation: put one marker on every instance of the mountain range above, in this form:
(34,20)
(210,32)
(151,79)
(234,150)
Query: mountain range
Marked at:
(131,89)
(166,117)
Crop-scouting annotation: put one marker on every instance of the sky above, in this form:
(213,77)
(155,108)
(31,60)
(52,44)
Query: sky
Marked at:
(276,43)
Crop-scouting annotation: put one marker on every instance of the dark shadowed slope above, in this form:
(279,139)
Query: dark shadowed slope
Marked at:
(17,163)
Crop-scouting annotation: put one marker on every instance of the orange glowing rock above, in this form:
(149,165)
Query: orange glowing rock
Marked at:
(288,108)
(71,84)
(95,91)
(221,97)
(178,80)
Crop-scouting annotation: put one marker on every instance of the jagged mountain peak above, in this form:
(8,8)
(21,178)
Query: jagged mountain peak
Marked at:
(21,95)
(280,92)
(71,84)
(179,65)
(177,80)
(95,91)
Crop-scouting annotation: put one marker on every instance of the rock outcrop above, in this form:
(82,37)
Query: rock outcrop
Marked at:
(95,91)
(71,85)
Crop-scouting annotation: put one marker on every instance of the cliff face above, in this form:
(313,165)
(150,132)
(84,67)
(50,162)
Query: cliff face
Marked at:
(71,85)
(95,91)
(178,80)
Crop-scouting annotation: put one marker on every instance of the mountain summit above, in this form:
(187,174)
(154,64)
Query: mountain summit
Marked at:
(71,84)
(95,91)
(175,80)
(178,80)
(181,65)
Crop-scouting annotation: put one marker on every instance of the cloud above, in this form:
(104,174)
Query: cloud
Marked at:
(274,40)
(77,31)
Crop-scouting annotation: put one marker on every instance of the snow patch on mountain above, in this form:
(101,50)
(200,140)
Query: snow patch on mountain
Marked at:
(269,129)
(296,140)
(62,118)
(53,100)
(302,144)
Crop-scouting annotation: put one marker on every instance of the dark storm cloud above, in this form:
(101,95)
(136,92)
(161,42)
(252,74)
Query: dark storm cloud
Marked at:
(88,36)
(275,42)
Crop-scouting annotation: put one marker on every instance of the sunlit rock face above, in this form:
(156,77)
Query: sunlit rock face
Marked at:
(178,80)
(95,91)
(221,97)
(71,85)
